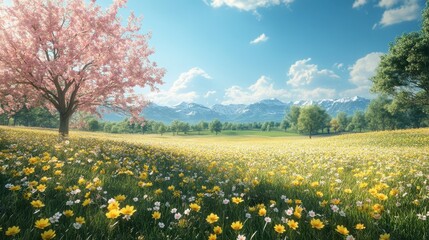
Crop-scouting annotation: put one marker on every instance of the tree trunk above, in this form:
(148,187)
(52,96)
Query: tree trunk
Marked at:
(64,126)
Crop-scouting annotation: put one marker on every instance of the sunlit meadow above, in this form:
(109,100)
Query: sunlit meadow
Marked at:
(100,186)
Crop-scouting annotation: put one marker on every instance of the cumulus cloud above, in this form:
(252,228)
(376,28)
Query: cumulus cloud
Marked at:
(408,11)
(176,93)
(302,73)
(388,3)
(209,93)
(248,5)
(260,90)
(260,39)
(314,94)
(360,74)
(359,3)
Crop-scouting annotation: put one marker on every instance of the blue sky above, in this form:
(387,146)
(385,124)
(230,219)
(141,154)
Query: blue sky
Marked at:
(243,51)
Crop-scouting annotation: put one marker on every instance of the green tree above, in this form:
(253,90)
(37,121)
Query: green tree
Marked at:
(285,125)
(403,72)
(358,120)
(334,125)
(215,126)
(162,129)
(293,116)
(93,125)
(310,119)
(377,114)
(342,121)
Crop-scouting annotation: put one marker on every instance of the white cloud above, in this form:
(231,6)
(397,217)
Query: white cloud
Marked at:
(359,3)
(338,65)
(360,74)
(209,93)
(260,90)
(409,11)
(314,94)
(176,93)
(301,73)
(388,3)
(261,38)
(248,5)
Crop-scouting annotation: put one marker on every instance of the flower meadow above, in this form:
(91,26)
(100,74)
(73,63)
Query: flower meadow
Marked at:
(100,186)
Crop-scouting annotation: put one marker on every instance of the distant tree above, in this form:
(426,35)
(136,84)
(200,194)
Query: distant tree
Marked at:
(403,72)
(325,120)
(293,115)
(215,126)
(342,121)
(162,129)
(285,125)
(265,126)
(358,120)
(197,127)
(378,115)
(204,125)
(334,124)
(93,125)
(310,119)
(175,127)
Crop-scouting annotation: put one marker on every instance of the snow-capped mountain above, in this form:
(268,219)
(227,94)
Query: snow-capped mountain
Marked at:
(265,110)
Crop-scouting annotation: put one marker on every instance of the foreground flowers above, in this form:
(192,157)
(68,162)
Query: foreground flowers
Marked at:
(12,231)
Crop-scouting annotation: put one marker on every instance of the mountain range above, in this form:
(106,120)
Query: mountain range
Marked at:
(265,110)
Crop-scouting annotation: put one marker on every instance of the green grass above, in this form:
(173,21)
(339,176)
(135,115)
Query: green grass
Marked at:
(273,171)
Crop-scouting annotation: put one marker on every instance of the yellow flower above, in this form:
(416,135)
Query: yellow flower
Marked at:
(342,230)
(384,236)
(12,231)
(80,220)
(316,223)
(28,171)
(382,197)
(158,191)
(336,201)
(58,172)
(15,188)
(68,213)
(113,205)
(128,210)
(120,198)
(37,204)
(393,192)
(360,226)
(156,215)
(292,224)
(262,212)
(112,214)
(348,190)
(212,237)
(237,200)
(237,225)
(48,234)
(86,202)
(378,208)
(217,230)
(195,207)
(42,223)
(212,218)
(319,194)
(279,228)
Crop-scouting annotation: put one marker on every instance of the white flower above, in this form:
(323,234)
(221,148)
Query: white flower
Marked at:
(161,225)
(8,185)
(311,214)
(177,216)
(289,212)
(350,237)
(276,210)
(135,199)
(335,208)
(187,211)
(77,225)
(111,201)
(241,237)
(359,203)
(99,188)
(69,203)
(174,210)
(157,204)
(77,201)
(156,208)
(248,215)
(267,219)
(342,213)
(225,201)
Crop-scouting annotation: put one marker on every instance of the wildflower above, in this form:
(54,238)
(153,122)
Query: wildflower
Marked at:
(120,198)
(15,188)
(292,224)
(262,212)
(241,237)
(342,230)
(319,194)
(316,223)
(384,236)
(267,219)
(217,230)
(212,218)
(12,231)
(42,223)
(48,234)
(80,220)
(279,228)
(161,225)
(68,213)
(177,216)
(128,210)
(113,205)
(212,237)
(350,237)
(77,225)
(37,204)
(112,214)
(237,200)
(382,197)
(311,214)
(360,226)
(225,201)
(237,225)
(195,207)
(86,202)
(156,215)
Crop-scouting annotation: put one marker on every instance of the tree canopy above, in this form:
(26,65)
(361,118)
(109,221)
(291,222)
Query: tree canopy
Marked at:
(72,55)
(403,72)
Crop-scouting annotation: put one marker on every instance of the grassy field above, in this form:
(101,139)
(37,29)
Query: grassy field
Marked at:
(102,186)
